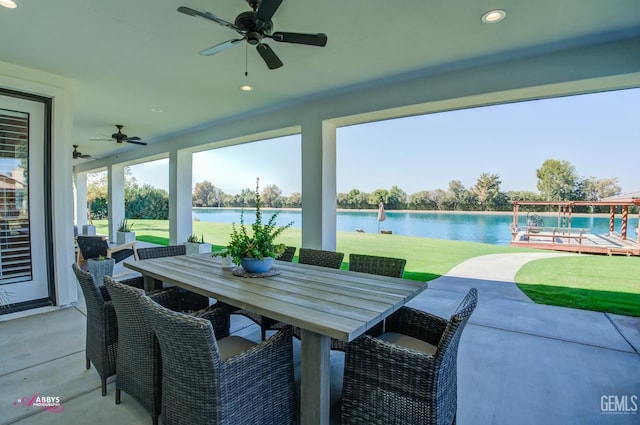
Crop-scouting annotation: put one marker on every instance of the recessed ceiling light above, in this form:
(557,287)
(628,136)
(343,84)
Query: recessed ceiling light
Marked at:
(156,110)
(493,16)
(9,4)
(246,88)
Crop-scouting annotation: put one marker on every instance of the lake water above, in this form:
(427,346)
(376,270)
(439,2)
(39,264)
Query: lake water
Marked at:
(485,228)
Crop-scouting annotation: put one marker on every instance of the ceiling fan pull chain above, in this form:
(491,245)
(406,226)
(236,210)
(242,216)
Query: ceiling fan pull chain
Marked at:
(246,59)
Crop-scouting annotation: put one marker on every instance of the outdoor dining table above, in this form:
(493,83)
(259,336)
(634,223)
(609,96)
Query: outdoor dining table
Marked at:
(324,303)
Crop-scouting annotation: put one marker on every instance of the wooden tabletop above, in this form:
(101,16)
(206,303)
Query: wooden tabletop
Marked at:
(336,303)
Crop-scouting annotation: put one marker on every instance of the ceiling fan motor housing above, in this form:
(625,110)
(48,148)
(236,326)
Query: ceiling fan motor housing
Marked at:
(247,21)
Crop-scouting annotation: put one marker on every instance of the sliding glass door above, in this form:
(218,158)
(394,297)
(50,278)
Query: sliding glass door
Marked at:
(23,216)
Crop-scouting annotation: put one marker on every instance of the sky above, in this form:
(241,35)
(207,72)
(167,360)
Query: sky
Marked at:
(598,134)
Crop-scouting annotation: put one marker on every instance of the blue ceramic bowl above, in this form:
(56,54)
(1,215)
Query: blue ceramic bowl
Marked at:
(254,265)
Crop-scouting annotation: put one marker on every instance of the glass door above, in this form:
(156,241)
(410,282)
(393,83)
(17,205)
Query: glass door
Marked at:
(23,247)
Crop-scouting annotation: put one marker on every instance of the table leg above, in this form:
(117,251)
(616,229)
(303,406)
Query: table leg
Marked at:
(151,284)
(314,381)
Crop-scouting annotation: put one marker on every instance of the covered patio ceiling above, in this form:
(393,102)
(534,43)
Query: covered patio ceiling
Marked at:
(128,58)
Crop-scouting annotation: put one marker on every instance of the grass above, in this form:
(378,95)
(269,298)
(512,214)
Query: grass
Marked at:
(588,282)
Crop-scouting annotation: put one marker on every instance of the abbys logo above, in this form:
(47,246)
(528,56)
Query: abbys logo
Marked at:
(619,405)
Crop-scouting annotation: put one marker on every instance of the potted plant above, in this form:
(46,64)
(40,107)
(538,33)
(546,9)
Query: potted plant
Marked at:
(124,233)
(256,250)
(197,246)
(100,267)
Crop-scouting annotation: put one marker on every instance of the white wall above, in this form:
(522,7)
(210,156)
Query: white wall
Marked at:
(60,90)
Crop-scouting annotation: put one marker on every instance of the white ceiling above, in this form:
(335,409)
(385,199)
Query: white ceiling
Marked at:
(128,57)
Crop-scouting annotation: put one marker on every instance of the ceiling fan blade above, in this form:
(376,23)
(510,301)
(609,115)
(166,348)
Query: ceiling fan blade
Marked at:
(265,12)
(270,58)
(220,47)
(135,142)
(83,156)
(319,39)
(132,138)
(209,16)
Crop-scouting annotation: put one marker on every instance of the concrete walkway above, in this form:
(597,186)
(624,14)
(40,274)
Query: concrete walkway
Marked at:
(518,362)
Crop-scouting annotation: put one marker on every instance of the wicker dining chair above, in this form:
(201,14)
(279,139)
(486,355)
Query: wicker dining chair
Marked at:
(189,301)
(287,255)
(139,364)
(102,325)
(382,266)
(319,257)
(407,375)
(372,264)
(96,246)
(228,381)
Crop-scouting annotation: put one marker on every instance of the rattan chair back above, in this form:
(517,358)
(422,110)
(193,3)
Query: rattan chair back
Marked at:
(391,384)
(383,266)
(288,254)
(102,327)
(253,387)
(139,364)
(319,257)
(161,251)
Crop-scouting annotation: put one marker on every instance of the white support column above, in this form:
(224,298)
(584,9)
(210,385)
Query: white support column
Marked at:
(180,181)
(115,184)
(319,185)
(80,200)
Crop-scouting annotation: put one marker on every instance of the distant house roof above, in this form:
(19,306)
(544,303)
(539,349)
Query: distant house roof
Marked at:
(9,183)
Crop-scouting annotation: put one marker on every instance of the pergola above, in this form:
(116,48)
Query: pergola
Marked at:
(565,210)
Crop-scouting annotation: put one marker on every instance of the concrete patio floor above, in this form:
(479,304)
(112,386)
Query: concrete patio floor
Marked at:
(518,362)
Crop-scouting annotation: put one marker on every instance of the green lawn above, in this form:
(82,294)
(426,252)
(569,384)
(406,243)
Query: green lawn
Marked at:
(589,282)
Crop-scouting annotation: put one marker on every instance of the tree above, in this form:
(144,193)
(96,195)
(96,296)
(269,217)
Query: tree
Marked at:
(246,198)
(594,189)
(378,195)
(422,200)
(456,195)
(557,180)
(201,193)
(294,201)
(396,199)
(215,198)
(271,196)
(356,199)
(487,189)
(97,197)
(146,202)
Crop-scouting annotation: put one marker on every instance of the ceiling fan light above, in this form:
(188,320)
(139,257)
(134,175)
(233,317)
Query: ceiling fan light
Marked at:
(9,4)
(493,16)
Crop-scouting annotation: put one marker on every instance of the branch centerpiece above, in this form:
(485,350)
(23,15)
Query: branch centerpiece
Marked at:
(256,249)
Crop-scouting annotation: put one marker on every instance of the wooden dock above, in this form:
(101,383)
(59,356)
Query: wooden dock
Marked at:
(566,238)
(574,241)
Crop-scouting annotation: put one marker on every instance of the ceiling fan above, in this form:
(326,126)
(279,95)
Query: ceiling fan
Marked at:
(77,154)
(120,137)
(254,26)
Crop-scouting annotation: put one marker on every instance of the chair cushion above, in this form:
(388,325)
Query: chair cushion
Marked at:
(232,345)
(408,342)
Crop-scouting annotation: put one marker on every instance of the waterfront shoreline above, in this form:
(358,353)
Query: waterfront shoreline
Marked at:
(368,210)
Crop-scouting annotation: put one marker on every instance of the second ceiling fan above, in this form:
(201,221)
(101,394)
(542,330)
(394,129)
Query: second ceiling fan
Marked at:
(254,26)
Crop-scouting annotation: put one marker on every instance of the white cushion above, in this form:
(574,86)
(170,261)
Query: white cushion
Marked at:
(232,345)
(408,342)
